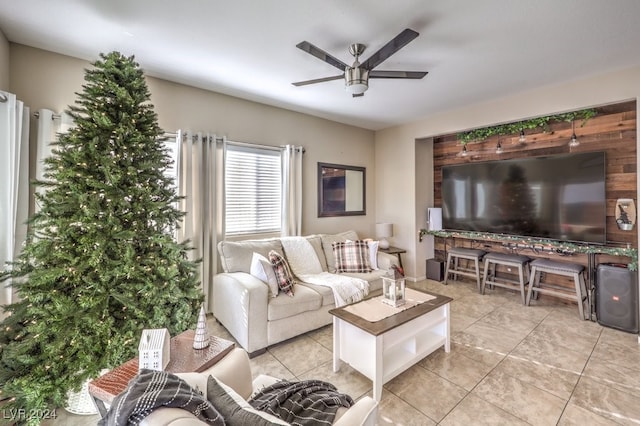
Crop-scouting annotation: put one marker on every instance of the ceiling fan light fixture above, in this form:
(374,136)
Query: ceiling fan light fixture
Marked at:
(356,80)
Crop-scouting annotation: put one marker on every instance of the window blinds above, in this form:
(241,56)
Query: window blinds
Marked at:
(252,190)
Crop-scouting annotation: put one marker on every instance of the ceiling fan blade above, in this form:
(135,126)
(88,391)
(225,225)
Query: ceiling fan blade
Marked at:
(389,49)
(397,74)
(318,80)
(321,54)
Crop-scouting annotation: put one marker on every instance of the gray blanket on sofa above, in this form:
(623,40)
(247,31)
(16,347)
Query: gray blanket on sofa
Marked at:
(153,389)
(307,402)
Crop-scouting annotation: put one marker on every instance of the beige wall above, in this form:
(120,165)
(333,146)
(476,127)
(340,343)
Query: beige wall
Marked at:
(4,63)
(397,180)
(399,186)
(49,80)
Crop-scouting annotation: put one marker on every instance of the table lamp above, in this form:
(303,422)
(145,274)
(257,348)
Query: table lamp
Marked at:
(384,231)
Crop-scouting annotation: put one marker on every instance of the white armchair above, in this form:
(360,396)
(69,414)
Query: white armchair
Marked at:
(234,371)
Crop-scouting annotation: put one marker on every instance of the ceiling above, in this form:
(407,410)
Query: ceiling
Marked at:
(474,50)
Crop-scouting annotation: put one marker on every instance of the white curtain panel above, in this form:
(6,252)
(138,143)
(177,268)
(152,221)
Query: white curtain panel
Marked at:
(14,184)
(292,190)
(50,124)
(201,182)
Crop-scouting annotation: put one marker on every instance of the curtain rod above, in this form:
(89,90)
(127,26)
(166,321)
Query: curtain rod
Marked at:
(247,144)
(53,116)
(260,146)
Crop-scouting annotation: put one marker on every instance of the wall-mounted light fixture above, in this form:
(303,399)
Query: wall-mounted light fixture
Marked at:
(464,152)
(499,148)
(574,142)
(522,138)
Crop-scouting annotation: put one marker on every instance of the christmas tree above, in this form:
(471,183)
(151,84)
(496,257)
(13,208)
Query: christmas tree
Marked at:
(100,263)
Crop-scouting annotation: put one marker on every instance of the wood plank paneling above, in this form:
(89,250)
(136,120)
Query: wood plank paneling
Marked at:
(612,130)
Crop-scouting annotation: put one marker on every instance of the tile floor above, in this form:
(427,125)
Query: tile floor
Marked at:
(508,365)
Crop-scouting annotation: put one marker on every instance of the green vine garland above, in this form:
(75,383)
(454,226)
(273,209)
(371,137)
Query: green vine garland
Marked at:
(541,245)
(515,128)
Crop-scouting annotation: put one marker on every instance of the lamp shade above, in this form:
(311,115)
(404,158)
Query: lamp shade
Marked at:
(384,230)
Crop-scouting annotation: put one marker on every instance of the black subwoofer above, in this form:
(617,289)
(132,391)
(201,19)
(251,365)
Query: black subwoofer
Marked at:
(617,298)
(435,270)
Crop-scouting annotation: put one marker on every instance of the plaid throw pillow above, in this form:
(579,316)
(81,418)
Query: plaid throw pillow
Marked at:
(282,271)
(351,256)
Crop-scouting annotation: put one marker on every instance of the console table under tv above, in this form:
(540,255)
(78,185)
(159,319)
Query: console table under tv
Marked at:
(536,247)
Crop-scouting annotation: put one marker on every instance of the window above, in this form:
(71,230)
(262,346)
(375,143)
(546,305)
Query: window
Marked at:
(172,147)
(252,190)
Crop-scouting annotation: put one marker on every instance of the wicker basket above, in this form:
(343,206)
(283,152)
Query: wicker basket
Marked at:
(81,402)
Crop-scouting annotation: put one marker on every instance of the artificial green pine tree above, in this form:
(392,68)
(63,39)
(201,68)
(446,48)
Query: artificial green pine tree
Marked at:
(100,263)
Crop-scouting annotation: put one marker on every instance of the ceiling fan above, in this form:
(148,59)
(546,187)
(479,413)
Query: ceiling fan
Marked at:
(356,77)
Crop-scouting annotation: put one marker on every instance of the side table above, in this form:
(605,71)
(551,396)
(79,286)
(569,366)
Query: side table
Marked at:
(394,250)
(183,359)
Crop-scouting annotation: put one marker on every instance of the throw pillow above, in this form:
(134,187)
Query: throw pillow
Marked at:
(282,271)
(328,240)
(352,256)
(373,254)
(234,409)
(262,269)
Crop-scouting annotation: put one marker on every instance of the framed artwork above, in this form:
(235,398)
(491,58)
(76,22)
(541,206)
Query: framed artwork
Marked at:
(341,190)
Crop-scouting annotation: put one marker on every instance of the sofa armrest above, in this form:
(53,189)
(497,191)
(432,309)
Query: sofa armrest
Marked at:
(240,304)
(234,370)
(364,412)
(168,416)
(386,260)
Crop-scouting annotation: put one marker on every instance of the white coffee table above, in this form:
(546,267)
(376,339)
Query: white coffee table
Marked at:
(383,349)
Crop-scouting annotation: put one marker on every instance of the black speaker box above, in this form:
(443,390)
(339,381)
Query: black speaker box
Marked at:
(435,270)
(617,298)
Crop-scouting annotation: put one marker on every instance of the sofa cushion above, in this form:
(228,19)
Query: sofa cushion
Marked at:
(327,240)
(235,256)
(368,276)
(301,256)
(304,300)
(351,256)
(324,291)
(235,410)
(282,272)
(374,278)
(262,269)
(316,243)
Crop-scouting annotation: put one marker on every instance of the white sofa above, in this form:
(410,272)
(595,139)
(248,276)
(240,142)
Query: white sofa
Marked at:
(234,371)
(241,302)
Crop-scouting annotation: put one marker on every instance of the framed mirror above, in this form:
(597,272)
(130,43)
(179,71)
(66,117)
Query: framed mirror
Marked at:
(341,190)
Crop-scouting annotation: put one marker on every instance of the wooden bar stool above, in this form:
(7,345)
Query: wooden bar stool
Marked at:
(572,270)
(521,263)
(457,253)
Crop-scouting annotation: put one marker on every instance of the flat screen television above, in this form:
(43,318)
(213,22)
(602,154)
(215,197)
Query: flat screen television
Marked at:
(559,197)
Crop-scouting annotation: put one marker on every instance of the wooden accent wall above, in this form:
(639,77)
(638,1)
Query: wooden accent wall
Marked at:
(612,130)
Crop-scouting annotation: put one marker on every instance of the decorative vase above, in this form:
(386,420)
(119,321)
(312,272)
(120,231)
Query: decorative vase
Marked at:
(201,338)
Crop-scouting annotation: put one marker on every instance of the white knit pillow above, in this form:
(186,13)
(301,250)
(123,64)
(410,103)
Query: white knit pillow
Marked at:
(262,269)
